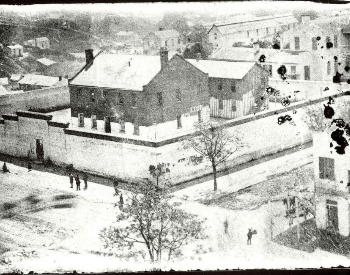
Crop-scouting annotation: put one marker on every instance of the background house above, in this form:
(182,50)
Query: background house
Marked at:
(44,64)
(300,65)
(324,37)
(249,30)
(14,50)
(170,39)
(40,42)
(33,82)
(235,88)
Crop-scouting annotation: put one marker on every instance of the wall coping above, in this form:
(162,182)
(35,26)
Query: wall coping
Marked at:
(10,117)
(34,115)
(58,124)
(230,123)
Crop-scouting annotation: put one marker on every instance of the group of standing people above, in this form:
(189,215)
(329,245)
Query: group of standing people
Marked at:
(77,180)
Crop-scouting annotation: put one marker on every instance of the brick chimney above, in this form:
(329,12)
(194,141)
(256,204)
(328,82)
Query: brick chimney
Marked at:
(305,19)
(198,56)
(163,57)
(89,55)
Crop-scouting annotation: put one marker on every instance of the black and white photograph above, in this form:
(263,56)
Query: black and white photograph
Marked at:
(159,136)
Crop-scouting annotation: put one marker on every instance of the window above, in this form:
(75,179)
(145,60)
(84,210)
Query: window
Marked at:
(179,124)
(326,168)
(160,98)
(104,94)
(199,91)
(166,43)
(120,99)
(221,104)
(267,30)
(233,87)
(178,41)
(257,33)
(92,97)
(80,120)
(233,106)
(262,82)
(136,128)
(293,69)
(328,39)
(297,43)
(328,68)
(93,122)
(332,214)
(215,36)
(200,119)
(220,86)
(314,43)
(247,33)
(178,94)
(107,124)
(122,126)
(335,41)
(133,100)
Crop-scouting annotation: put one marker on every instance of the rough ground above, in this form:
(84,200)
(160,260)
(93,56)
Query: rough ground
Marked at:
(49,227)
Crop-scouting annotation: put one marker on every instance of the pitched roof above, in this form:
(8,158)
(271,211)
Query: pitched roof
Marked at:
(40,80)
(46,62)
(4,81)
(223,69)
(114,71)
(17,46)
(16,77)
(256,23)
(167,34)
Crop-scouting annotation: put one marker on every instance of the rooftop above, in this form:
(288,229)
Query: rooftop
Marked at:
(167,34)
(129,72)
(40,80)
(46,62)
(223,69)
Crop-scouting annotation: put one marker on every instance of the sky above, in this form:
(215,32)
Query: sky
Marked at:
(158,9)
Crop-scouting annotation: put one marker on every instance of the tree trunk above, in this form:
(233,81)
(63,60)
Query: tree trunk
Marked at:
(214,174)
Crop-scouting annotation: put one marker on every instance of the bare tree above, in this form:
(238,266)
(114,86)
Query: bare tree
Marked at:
(216,144)
(315,119)
(151,223)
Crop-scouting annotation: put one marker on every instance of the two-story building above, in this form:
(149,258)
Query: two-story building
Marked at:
(249,30)
(235,88)
(119,90)
(332,178)
(300,65)
(327,38)
(170,39)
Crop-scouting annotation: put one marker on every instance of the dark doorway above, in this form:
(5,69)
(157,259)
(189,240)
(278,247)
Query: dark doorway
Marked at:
(39,150)
(332,215)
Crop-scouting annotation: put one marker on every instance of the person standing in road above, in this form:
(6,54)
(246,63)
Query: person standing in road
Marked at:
(250,234)
(77,181)
(71,180)
(85,178)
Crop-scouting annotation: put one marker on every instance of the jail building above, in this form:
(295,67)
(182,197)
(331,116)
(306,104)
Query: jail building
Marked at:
(124,93)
